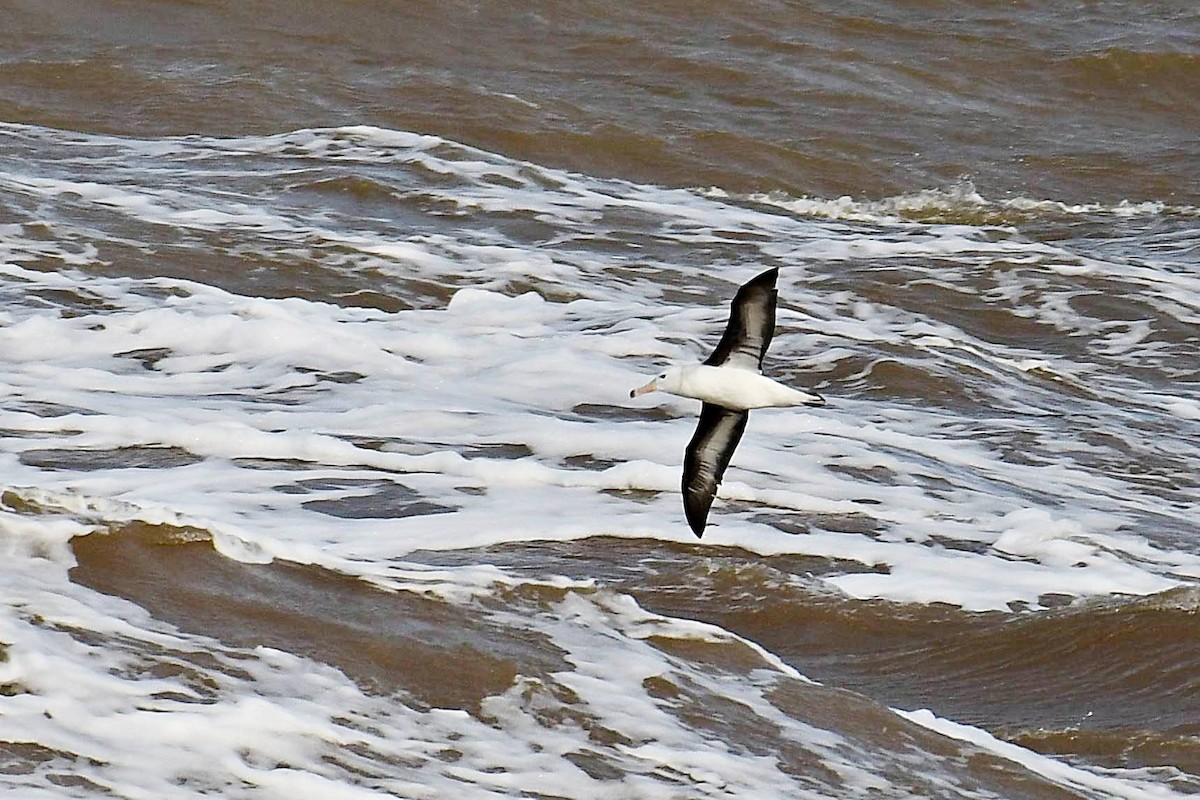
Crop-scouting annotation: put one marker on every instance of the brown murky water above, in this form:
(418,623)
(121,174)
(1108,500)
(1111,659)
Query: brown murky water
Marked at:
(311,319)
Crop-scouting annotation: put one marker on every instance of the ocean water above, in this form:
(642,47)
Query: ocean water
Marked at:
(319,475)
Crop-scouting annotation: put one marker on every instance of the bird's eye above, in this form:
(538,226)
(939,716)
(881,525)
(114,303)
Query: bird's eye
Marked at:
(664,375)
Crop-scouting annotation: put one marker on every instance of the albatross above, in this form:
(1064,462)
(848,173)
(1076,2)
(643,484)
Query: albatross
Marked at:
(729,383)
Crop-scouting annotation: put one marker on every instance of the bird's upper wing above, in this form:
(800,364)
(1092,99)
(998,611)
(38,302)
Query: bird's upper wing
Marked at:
(707,456)
(751,324)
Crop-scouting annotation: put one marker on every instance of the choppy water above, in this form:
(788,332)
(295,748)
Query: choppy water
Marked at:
(318,471)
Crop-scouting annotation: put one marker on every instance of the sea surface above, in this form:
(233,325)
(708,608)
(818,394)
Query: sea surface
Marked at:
(319,474)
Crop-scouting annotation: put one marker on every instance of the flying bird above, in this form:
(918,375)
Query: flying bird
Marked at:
(730,383)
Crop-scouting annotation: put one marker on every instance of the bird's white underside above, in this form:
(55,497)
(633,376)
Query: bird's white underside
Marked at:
(731,387)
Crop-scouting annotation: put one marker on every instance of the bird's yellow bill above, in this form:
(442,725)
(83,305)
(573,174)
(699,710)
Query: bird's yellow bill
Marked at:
(649,387)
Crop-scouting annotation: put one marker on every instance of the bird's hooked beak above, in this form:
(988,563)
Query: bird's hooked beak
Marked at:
(652,386)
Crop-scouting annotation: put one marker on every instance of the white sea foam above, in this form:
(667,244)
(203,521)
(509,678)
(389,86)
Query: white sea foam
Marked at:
(1120,784)
(958,200)
(261,722)
(502,399)
(240,378)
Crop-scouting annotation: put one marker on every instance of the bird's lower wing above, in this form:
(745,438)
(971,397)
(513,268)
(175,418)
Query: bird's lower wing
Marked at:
(707,456)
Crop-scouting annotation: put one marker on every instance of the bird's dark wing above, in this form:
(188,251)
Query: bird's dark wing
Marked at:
(707,456)
(751,324)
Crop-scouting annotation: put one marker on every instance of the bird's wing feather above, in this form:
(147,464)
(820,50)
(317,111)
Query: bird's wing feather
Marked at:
(707,456)
(751,324)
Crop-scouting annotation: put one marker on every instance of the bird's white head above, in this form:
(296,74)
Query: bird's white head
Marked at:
(669,380)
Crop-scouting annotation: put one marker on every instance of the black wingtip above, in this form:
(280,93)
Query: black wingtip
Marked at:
(768,277)
(697,514)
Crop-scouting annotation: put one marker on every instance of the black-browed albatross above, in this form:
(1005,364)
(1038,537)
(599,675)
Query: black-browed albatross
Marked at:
(730,383)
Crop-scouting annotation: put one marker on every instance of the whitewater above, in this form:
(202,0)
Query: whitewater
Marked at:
(388,347)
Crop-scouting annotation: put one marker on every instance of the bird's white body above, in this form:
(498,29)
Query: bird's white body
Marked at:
(735,388)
